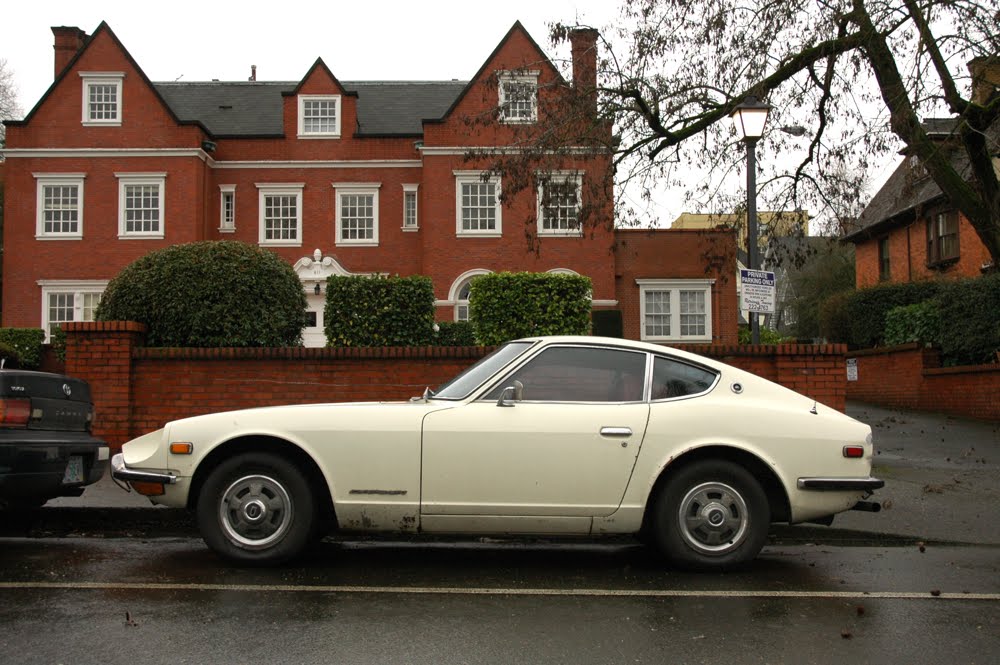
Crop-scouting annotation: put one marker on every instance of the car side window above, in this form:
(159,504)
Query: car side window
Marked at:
(672,378)
(580,374)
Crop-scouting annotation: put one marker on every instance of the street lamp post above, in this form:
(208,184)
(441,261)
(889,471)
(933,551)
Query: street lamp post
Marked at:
(749,118)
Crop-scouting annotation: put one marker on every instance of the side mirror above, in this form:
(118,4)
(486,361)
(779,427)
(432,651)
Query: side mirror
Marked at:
(513,393)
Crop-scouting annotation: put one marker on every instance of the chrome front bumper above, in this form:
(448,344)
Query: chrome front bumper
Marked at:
(120,472)
(841,484)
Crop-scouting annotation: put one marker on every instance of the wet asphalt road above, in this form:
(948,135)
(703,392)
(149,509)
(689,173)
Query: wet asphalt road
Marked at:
(169,600)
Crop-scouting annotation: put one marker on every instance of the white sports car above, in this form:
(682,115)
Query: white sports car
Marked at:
(574,436)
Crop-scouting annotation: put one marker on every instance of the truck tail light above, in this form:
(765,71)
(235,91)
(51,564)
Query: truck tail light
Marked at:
(14,412)
(854,452)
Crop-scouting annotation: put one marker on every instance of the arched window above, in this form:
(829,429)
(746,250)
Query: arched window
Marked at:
(459,294)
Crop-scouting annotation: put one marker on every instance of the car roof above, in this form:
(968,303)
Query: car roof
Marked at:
(660,349)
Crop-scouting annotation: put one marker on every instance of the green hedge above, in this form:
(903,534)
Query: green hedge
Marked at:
(455,333)
(767,336)
(379,311)
(913,323)
(26,343)
(209,294)
(9,356)
(834,319)
(970,316)
(867,308)
(505,305)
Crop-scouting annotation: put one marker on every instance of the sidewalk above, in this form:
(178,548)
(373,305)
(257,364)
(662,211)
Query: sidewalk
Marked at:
(942,479)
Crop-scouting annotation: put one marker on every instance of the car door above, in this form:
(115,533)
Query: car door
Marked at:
(565,448)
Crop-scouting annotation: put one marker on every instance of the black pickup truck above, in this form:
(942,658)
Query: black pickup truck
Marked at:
(46,448)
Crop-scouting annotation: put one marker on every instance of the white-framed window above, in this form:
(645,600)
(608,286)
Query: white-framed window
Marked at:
(227,208)
(458,296)
(140,205)
(280,214)
(518,96)
(357,213)
(319,116)
(675,310)
(410,219)
(59,206)
(102,98)
(477,205)
(559,196)
(66,300)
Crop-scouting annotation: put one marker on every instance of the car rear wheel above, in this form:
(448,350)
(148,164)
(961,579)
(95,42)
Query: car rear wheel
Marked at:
(256,508)
(712,515)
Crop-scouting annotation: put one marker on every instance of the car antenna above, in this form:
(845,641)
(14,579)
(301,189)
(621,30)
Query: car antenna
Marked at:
(813,410)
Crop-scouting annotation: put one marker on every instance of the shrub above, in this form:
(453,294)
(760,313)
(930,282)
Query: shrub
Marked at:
(867,308)
(767,336)
(505,305)
(209,294)
(834,320)
(455,333)
(970,315)
(26,344)
(913,323)
(379,311)
(57,340)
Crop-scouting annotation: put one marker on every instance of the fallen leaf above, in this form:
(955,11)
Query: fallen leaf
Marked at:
(846,634)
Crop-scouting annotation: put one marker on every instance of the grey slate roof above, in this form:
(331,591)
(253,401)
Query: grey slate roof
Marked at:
(245,108)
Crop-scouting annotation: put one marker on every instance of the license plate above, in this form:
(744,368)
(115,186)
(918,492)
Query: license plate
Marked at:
(74,470)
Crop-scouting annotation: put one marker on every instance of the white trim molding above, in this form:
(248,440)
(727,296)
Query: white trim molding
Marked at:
(574,178)
(411,193)
(77,290)
(227,204)
(110,80)
(673,321)
(292,190)
(463,178)
(526,80)
(455,291)
(157,221)
(332,131)
(360,190)
(61,204)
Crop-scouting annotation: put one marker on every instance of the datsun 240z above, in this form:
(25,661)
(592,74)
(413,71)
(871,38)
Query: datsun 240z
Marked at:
(570,436)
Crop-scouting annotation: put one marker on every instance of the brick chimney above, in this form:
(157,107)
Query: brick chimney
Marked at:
(985,78)
(583,42)
(68,40)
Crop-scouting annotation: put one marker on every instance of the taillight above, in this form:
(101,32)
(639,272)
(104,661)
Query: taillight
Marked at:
(14,412)
(854,452)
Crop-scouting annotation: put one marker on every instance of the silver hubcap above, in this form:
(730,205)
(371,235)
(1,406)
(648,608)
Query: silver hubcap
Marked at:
(255,512)
(713,518)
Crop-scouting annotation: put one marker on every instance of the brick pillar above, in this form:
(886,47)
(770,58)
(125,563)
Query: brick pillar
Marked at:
(100,352)
(817,371)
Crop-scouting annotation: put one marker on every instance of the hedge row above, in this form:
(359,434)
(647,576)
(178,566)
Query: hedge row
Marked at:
(22,346)
(379,311)
(506,305)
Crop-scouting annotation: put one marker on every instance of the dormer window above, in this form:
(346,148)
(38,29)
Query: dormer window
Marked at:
(102,98)
(319,116)
(518,92)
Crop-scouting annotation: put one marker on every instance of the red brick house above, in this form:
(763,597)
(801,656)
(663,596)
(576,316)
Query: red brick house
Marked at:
(337,177)
(909,231)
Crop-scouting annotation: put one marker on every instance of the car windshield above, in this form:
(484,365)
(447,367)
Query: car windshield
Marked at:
(462,385)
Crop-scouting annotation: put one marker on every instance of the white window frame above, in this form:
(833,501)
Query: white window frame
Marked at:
(227,225)
(44,180)
(469,177)
(561,177)
(265,189)
(408,191)
(338,110)
(675,286)
(343,189)
(79,289)
(102,78)
(519,78)
(126,180)
(456,288)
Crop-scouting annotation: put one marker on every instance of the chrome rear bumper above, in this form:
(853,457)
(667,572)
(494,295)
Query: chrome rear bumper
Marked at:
(841,484)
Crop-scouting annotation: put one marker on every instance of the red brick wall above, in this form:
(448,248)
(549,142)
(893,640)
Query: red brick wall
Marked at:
(677,254)
(908,255)
(910,376)
(138,389)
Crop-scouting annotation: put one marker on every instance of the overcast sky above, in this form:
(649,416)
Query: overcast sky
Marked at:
(217,39)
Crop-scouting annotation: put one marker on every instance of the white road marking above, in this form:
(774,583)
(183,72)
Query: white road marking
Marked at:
(497,591)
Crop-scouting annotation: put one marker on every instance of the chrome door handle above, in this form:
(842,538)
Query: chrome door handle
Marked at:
(616,431)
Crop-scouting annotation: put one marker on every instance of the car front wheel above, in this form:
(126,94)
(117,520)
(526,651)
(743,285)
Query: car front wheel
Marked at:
(256,508)
(712,515)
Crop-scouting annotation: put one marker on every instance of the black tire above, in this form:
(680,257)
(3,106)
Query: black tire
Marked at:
(712,515)
(256,509)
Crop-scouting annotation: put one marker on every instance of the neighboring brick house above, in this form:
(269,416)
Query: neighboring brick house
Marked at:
(910,231)
(336,177)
